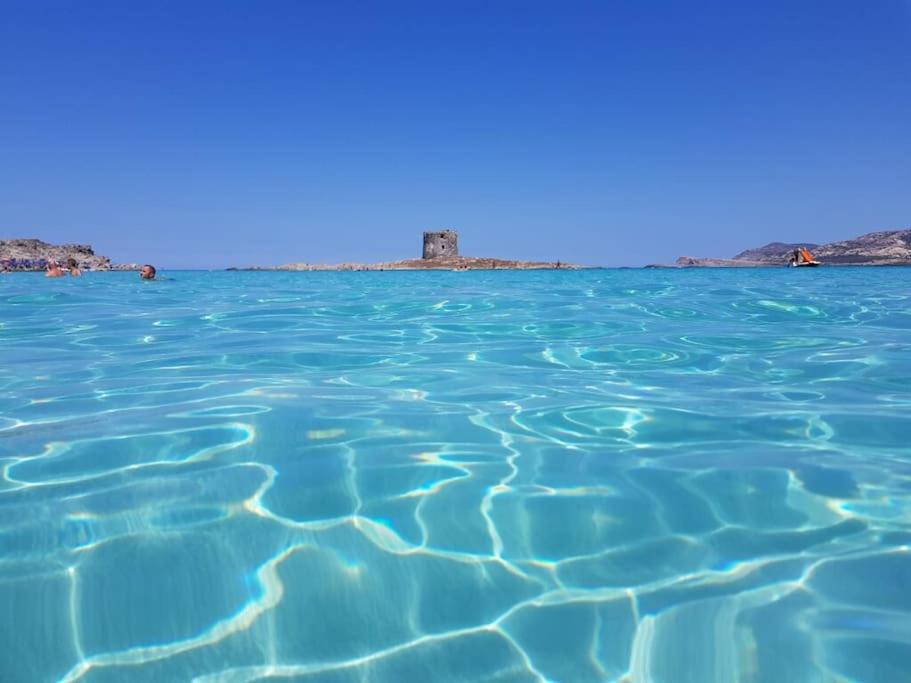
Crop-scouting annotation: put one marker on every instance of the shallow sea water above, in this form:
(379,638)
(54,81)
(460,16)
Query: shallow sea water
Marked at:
(617,475)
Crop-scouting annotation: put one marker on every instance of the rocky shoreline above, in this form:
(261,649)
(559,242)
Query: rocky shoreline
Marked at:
(34,254)
(883,248)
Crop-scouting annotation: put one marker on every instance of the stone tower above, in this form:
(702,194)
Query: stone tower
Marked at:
(441,244)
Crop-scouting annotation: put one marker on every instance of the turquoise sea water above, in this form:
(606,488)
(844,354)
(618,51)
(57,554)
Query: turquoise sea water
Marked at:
(619,475)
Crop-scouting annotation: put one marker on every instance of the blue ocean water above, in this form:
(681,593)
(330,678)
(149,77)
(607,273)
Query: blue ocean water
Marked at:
(611,475)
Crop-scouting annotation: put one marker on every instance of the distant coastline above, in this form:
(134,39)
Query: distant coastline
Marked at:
(883,248)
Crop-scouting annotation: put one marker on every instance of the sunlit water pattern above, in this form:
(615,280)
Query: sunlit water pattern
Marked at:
(617,475)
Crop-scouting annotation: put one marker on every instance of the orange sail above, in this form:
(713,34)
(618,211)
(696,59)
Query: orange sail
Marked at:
(806,254)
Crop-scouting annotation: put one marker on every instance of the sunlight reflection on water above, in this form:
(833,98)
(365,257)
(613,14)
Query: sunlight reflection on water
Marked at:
(511,476)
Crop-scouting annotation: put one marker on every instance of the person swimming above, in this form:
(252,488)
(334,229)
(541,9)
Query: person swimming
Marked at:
(53,270)
(147,272)
(73,267)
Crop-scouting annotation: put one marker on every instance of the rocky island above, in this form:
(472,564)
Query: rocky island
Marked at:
(441,252)
(884,248)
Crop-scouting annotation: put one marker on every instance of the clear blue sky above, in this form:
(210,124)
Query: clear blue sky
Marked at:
(209,134)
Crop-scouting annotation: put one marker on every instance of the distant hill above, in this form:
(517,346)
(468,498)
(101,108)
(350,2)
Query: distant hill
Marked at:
(884,248)
(775,251)
(887,247)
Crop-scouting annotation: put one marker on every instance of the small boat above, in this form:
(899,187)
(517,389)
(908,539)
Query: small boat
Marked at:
(802,258)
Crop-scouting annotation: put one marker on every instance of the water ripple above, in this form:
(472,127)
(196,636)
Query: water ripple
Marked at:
(566,476)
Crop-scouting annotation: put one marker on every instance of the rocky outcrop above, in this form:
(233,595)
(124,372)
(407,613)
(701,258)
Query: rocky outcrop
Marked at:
(457,263)
(885,248)
(31,254)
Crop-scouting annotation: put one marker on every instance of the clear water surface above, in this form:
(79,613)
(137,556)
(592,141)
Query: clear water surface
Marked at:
(619,475)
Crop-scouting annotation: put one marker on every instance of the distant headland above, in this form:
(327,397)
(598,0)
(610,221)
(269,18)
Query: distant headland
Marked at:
(33,254)
(884,248)
(440,252)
